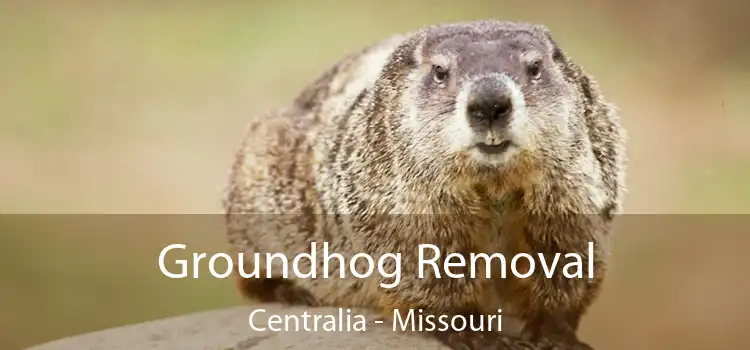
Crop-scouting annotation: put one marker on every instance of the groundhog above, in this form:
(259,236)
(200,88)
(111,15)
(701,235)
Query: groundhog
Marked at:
(477,137)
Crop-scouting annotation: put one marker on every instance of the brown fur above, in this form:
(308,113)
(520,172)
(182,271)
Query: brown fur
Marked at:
(342,160)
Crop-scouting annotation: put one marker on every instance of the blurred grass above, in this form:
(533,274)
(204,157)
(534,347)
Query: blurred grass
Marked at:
(137,108)
(96,271)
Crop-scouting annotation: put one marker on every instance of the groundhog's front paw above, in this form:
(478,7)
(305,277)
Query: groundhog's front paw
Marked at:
(484,341)
(500,341)
(292,295)
(562,344)
(554,333)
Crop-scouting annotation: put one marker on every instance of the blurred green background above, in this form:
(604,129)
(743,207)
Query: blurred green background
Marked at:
(137,107)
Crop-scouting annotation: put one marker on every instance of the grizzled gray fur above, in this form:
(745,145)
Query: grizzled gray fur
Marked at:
(487,128)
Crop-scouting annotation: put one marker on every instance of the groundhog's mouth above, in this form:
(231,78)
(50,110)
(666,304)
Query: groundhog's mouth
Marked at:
(494,149)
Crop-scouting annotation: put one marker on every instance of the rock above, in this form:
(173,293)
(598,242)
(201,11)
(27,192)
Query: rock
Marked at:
(229,329)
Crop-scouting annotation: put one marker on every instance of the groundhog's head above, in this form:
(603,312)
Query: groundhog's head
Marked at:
(488,95)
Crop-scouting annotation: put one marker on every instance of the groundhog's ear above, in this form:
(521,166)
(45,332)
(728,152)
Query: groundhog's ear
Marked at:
(407,55)
(400,62)
(557,53)
(419,49)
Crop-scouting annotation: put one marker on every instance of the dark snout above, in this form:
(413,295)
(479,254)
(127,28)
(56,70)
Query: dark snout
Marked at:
(489,103)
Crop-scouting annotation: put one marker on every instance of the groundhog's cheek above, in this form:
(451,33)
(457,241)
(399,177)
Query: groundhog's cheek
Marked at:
(548,123)
(456,134)
(526,131)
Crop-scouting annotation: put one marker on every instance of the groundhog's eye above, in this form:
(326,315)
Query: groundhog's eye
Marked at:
(534,69)
(439,73)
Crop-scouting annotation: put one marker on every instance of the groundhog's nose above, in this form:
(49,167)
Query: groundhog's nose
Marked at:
(489,101)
